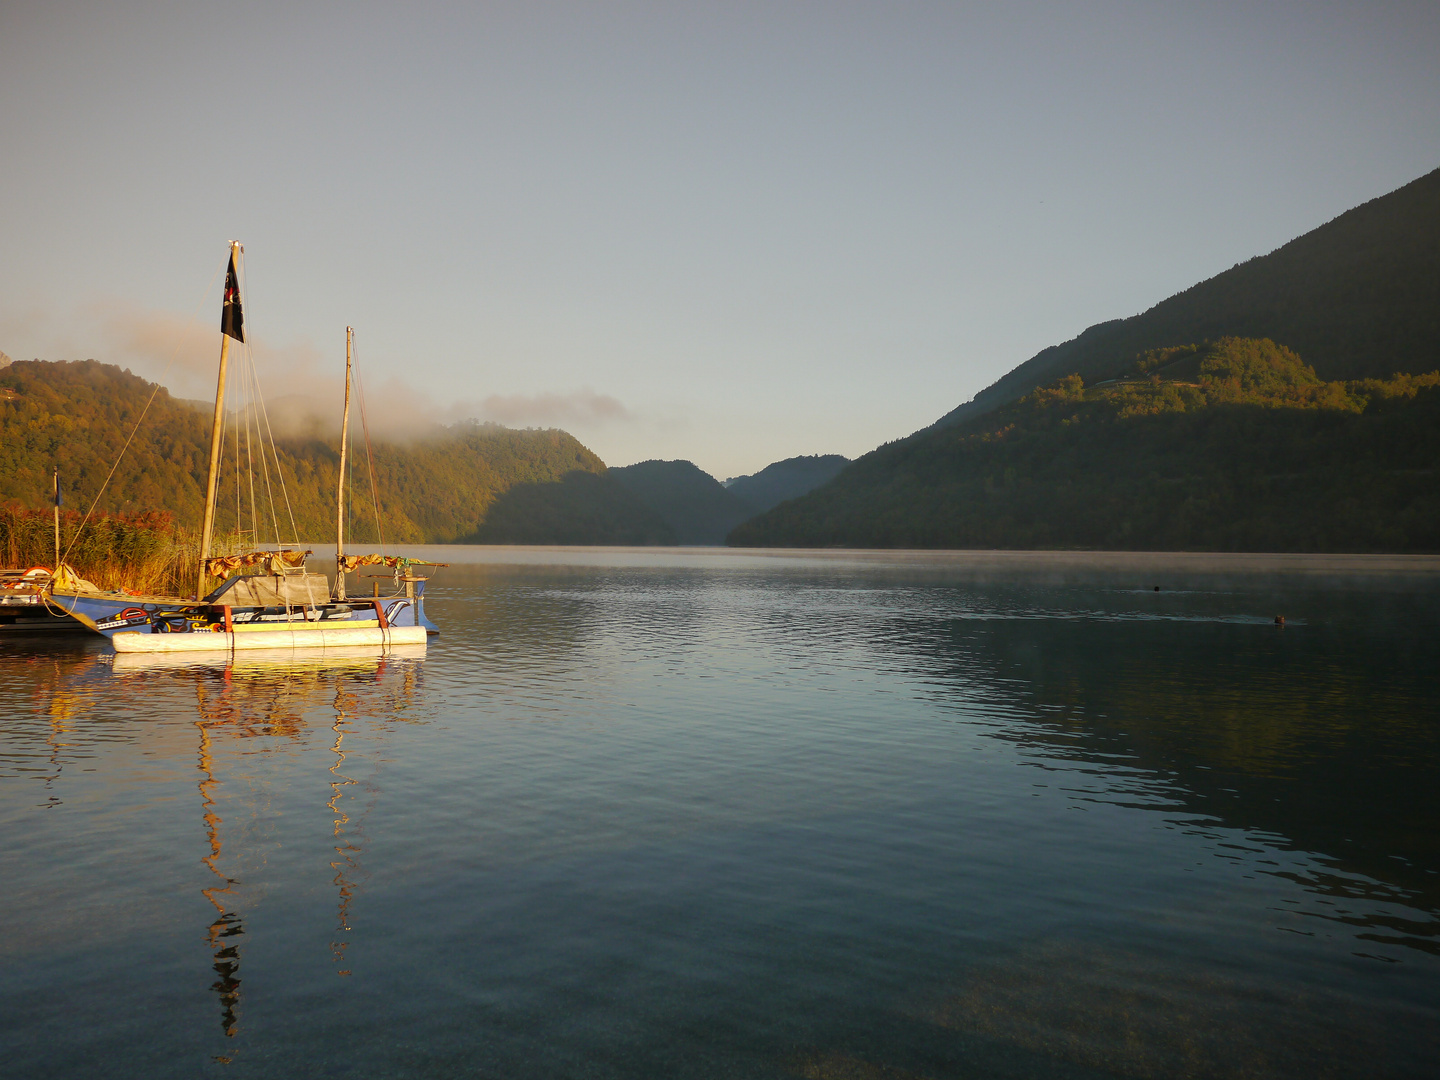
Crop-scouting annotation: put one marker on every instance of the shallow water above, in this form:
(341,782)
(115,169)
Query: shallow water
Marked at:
(670,813)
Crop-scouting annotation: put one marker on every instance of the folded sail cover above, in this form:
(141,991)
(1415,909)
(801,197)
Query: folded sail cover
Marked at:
(232,320)
(297,590)
(398,562)
(273,561)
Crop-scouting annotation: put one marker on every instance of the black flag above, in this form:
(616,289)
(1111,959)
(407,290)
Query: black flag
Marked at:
(232,320)
(57,489)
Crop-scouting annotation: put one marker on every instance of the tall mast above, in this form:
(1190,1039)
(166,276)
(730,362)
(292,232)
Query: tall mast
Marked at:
(340,486)
(216,428)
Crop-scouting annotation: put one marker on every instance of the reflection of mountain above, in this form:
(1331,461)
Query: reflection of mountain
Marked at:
(1321,740)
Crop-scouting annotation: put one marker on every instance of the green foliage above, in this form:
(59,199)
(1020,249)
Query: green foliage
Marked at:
(438,488)
(1254,367)
(1255,454)
(1069,389)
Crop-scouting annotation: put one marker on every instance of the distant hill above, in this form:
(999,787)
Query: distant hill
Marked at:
(698,509)
(580,508)
(1232,445)
(470,482)
(788,479)
(1358,297)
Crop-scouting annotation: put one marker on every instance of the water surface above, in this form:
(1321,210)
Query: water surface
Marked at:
(701,813)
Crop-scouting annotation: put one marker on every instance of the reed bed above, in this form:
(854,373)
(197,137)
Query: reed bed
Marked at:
(142,553)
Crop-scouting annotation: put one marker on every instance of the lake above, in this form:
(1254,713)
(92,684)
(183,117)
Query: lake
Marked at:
(668,813)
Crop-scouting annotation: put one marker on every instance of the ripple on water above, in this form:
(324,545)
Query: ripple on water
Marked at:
(664,814)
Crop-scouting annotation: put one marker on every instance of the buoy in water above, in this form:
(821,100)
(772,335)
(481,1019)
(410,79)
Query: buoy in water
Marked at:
(1157,588)
(1279,620)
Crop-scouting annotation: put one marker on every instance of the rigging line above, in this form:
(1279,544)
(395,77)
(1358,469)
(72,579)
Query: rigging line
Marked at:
(236,425)
(369,454)
(269,432)
(249,412)
(279,475)
(264,465)
(265,469)
(250,463)
(141,419)
(242,420)
(220,458)
(350,500)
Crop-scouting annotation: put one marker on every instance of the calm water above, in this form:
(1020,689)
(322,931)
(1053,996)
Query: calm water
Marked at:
(715,815)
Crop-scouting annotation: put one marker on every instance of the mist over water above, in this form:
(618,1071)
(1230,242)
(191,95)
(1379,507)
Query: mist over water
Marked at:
(706,813)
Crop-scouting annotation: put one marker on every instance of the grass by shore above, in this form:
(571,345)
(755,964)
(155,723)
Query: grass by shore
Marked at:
(143,553)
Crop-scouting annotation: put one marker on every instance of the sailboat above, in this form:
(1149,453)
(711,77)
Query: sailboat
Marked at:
(284,606)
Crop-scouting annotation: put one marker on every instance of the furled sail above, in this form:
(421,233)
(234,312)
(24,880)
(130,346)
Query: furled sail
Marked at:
(274,562)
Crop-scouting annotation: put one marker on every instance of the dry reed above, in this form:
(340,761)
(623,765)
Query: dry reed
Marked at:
(143,553)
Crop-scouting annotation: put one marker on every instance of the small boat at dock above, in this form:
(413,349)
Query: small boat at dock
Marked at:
(23,607)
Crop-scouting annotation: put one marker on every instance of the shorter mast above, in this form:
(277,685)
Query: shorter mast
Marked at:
(340,486)
(230,324)
(56,574)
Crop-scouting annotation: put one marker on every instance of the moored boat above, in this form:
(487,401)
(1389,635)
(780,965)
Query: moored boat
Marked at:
(284,605)
(23,609)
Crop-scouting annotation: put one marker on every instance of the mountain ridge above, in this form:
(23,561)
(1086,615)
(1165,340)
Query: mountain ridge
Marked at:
(470,482)
(696,506)
(1235,445)
(787,479)
(1358,297)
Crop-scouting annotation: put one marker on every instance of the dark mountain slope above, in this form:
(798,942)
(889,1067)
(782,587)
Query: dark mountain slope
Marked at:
(788,479)
(1231,446)
(692,502)
(581,508)
(1358,297)
(441,489)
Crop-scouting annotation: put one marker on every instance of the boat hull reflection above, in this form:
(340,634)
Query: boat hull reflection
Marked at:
(264,661)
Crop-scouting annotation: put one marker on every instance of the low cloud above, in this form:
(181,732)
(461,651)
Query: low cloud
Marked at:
(175,352)
(583,406)
(303,385)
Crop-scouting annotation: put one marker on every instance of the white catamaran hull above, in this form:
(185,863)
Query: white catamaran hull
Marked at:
(130,641)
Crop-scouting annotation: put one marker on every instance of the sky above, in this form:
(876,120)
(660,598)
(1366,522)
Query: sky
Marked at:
(725,232)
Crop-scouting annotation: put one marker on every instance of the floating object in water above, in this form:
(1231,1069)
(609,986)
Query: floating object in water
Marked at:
(1157,588)
(1279,620)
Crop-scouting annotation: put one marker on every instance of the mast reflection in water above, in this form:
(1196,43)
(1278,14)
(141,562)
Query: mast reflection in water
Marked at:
(262,695)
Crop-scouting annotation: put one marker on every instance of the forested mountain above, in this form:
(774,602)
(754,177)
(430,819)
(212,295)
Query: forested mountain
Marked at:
(1358,297)
(788,479)
(468,483)
(1231,445)
(693,503)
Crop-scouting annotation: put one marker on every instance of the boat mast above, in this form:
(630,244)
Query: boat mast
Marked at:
(215,433)
(340,486)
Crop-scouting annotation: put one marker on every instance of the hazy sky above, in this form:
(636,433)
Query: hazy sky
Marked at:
(728,232)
